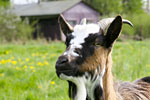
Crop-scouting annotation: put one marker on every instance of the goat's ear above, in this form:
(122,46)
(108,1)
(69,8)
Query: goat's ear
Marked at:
(65,27)
(113,31)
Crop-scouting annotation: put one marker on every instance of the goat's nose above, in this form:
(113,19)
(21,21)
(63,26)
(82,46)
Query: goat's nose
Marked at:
(61,61)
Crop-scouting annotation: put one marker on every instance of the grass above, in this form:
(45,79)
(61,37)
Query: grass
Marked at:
(27,72)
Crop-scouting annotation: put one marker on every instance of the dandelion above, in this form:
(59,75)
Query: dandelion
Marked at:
(52,82)
(1,74)
(19,60)
(6,52)
(12,57)
(39,64)
(33,70)
(14,62)
(27,59)
(31,67)
(3,62)
(25,67)
(33,54)
(45,63)
(18,68)
(8,60)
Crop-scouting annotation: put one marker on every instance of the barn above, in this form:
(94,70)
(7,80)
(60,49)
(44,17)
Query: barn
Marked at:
(46,14)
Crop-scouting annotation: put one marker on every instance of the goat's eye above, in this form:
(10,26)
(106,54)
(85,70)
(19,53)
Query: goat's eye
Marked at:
(78,51)
(96,44)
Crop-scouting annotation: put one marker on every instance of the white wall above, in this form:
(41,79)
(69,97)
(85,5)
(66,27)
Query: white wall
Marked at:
(23,1)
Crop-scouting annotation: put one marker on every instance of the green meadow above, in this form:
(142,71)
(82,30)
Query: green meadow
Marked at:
(27,72)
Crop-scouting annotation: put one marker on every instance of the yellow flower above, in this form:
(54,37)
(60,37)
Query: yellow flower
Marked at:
(31,67)
(6,52)
(1,74)
(52,55)
(52,82)
(25,66)
(18,68)
(3,61)
(45,63)
(19,60)
(33,54)
(39,64)
(9,60)
(14,62)
(12,57)
(33,70)
(27,59)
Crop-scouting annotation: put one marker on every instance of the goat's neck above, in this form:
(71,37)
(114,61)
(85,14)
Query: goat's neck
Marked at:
(108,83)
(87,88)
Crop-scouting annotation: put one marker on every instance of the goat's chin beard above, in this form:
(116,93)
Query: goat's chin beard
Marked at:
(65,77)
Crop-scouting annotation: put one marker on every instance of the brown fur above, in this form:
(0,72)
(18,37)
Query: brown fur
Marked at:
(109,92)
(92,63)
(138,90)
(133,91)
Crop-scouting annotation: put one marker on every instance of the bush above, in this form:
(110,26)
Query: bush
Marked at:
(141,26)
(12,27)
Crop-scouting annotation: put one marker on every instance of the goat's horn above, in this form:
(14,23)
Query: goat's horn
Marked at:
(104,23)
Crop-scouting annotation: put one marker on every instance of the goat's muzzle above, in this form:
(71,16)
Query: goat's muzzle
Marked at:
(63,66)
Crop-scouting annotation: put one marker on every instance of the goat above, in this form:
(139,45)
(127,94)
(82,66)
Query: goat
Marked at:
(87,64)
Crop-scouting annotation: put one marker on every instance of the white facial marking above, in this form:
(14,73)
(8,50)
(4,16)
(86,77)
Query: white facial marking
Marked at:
(86,86)
(80,33)
(71,52)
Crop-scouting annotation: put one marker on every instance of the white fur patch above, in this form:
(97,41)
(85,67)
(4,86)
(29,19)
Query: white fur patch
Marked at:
(85,86)
(80,33)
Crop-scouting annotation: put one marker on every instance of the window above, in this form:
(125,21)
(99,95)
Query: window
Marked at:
(90,21)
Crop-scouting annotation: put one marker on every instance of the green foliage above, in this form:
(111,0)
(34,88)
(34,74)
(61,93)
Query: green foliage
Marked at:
(131,60)
(109,7)
(106,7)
(132,6)
(27,72)
(25,76)
(12,27)
(4,3)
(141,25)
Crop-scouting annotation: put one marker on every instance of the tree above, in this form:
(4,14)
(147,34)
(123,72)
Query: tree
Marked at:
(132,6)
(4,3)
(12,27)
(106,7)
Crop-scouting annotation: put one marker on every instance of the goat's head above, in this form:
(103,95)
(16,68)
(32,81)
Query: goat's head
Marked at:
(87,46)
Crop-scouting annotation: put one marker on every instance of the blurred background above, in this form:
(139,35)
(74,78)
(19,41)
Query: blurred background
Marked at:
(31,42)
(22,20)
